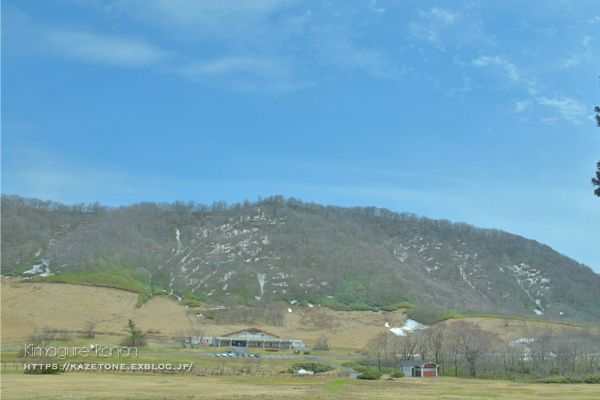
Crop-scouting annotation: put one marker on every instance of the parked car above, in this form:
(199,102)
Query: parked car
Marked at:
(232,354)
(257,355)
(218,355)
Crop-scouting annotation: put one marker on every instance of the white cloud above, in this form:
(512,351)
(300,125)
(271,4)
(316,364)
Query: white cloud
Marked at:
(442,15)
(506,66)
(239,20)
(568,108)
(235,65)
(573,61)
(246,73)
(584,55)
(522,105)
(109,50)
(434,21)
(550,121)
(376,8)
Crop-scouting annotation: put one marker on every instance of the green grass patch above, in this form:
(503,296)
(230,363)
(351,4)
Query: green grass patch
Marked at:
(454,314)
(397,306)
(118,278)
(336,385)
(114,277)
(20,271)
(473,394)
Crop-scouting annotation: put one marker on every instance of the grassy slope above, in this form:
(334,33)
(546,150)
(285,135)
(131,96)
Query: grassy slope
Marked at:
(28,306)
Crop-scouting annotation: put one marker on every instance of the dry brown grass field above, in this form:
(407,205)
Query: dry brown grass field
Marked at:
(29,306)
(124,386)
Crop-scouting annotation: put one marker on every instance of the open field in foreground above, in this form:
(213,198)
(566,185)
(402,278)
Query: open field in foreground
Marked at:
(117,386)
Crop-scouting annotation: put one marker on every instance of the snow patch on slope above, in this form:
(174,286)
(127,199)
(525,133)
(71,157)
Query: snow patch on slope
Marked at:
(409,326)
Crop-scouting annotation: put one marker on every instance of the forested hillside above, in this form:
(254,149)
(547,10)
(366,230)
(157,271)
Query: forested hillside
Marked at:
(286,249)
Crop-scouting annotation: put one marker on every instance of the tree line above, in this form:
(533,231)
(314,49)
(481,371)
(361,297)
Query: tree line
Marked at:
(461,348)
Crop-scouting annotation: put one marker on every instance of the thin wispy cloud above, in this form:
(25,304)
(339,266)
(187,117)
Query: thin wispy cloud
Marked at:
(240,65)
(103,49)
(343,53)
(522,105)
(376,8)
(570,109)
(432,23)
(500,64)
(583,54)
(268,74)
(224,20)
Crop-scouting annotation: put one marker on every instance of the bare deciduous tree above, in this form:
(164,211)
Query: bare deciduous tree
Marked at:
(90,328)
(407,344)
(436,340)
(472,342)
(181,337)
(322,343)
(378,346)
(197,334)
(422,342)
(64,335)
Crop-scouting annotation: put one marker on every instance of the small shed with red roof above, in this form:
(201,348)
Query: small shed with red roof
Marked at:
(420,369)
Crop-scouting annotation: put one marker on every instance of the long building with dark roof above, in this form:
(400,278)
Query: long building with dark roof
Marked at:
(252,338)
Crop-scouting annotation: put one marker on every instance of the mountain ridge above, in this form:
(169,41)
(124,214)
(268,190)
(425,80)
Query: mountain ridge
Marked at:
(286,249)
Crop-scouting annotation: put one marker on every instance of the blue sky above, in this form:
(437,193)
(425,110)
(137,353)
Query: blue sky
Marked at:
(474,111)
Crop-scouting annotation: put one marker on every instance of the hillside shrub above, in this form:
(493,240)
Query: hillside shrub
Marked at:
(143,298)
(359,306)
(190,296)
(315,367)
(425,313)
(365,366)
(396,306)
(592,378)
(331,303)
(398,374)
(370,376)
(561,379)
(191,300)
(45,369)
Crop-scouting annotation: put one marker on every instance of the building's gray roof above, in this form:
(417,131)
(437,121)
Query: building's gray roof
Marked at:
(248,330)
(415,363)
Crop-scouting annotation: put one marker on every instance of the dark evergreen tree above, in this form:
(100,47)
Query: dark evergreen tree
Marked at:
(596,180)
(133,333)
